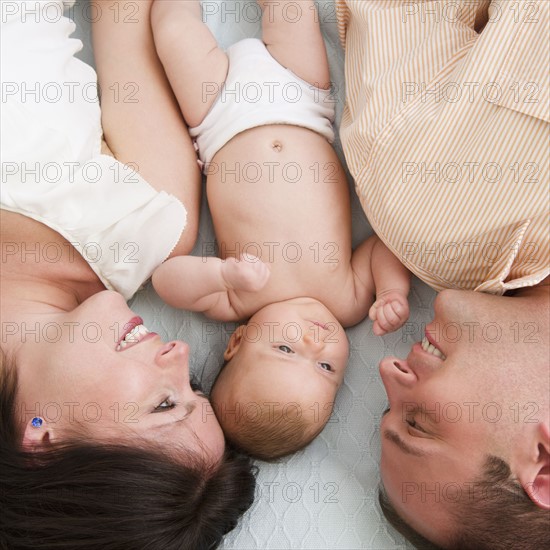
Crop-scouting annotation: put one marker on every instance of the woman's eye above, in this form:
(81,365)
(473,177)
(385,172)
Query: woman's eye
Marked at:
(166,405)
(286,349)
(326,366)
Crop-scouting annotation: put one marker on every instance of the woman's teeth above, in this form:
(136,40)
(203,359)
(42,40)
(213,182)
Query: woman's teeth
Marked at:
(430,348)
(133,337)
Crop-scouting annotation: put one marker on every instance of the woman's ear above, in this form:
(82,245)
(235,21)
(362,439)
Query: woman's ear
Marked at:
(234,343)
(38,435)
(535,476)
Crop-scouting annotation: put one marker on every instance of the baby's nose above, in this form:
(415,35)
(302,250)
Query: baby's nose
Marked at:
(313,338)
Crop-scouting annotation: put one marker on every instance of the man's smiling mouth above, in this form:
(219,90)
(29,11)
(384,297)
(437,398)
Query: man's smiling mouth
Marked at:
(430,348)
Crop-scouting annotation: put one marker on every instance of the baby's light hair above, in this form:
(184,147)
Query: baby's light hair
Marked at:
(270,437)
(269,434)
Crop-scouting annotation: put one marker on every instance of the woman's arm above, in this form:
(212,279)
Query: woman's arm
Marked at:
(141,119)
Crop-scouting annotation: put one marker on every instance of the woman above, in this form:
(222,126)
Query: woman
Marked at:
(104,441)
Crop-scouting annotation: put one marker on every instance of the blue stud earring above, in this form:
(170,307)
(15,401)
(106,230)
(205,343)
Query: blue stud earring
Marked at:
(37,422)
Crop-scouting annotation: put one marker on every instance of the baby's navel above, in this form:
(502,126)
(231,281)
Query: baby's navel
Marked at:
(277,146)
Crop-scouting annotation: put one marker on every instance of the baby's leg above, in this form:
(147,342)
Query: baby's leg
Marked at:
(293,37)
(196,67)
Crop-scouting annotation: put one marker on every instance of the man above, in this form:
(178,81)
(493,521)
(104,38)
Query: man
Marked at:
(445,131)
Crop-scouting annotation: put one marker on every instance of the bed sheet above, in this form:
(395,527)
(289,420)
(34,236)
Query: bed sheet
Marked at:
(325,496)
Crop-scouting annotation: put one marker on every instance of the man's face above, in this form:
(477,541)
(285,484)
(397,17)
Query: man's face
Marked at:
(462,398)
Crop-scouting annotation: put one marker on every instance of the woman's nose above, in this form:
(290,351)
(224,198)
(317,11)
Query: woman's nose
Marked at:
(173,353)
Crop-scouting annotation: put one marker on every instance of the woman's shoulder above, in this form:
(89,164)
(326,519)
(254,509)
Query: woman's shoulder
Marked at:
(31,248)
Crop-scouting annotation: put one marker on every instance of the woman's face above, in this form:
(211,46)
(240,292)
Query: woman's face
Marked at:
(77,374)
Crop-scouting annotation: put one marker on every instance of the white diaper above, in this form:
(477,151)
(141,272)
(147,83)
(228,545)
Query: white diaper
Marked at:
(52,167)
(259,91)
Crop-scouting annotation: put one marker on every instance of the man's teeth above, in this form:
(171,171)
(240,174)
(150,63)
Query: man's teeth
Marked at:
(430,348)
(133,337)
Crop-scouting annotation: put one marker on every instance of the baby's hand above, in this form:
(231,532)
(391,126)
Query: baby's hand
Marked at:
(249,273)
(389,312)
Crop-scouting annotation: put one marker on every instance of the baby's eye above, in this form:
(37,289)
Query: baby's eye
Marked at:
(286,349)
(326,366)
(166,405)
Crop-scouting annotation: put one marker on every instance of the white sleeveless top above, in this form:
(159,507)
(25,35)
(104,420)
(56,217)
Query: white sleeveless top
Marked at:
(52,167)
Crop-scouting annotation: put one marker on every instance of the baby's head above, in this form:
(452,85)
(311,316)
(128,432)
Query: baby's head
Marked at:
(277,388)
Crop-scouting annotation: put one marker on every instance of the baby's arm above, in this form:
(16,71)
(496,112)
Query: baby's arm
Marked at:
(202,284)
(393,282)
(378,271)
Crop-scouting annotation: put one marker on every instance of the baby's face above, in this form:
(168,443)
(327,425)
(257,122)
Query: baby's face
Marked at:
(291,356)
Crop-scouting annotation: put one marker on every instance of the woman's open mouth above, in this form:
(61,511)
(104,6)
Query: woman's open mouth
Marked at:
(135,333)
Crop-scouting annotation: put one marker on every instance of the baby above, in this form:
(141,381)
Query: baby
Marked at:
(262,117)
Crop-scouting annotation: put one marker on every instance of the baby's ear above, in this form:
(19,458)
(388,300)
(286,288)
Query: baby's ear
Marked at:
(234,343)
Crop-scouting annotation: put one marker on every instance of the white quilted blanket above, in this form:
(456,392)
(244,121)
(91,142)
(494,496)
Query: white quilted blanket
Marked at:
(324,497)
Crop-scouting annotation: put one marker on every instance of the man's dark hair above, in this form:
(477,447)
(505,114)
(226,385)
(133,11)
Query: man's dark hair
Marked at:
(498,514)
(83,495)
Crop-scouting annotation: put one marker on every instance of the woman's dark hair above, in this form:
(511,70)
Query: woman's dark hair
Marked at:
(497,513)
(83,495)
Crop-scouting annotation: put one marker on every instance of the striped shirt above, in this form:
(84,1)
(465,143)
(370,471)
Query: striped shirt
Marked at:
(446,133)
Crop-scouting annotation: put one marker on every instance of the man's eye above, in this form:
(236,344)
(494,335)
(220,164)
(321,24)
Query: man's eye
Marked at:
(286,349)
(166,405)
(326,366)
(413,424)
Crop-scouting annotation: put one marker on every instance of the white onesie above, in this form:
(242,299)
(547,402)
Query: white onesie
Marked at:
(258,91)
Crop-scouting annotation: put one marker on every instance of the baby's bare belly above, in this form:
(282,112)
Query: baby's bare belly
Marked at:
(275,155)
(277,173)
(280,193)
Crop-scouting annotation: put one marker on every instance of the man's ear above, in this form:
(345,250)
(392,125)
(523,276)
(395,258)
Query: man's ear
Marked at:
(38,435)
(534,476)
(234,343)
